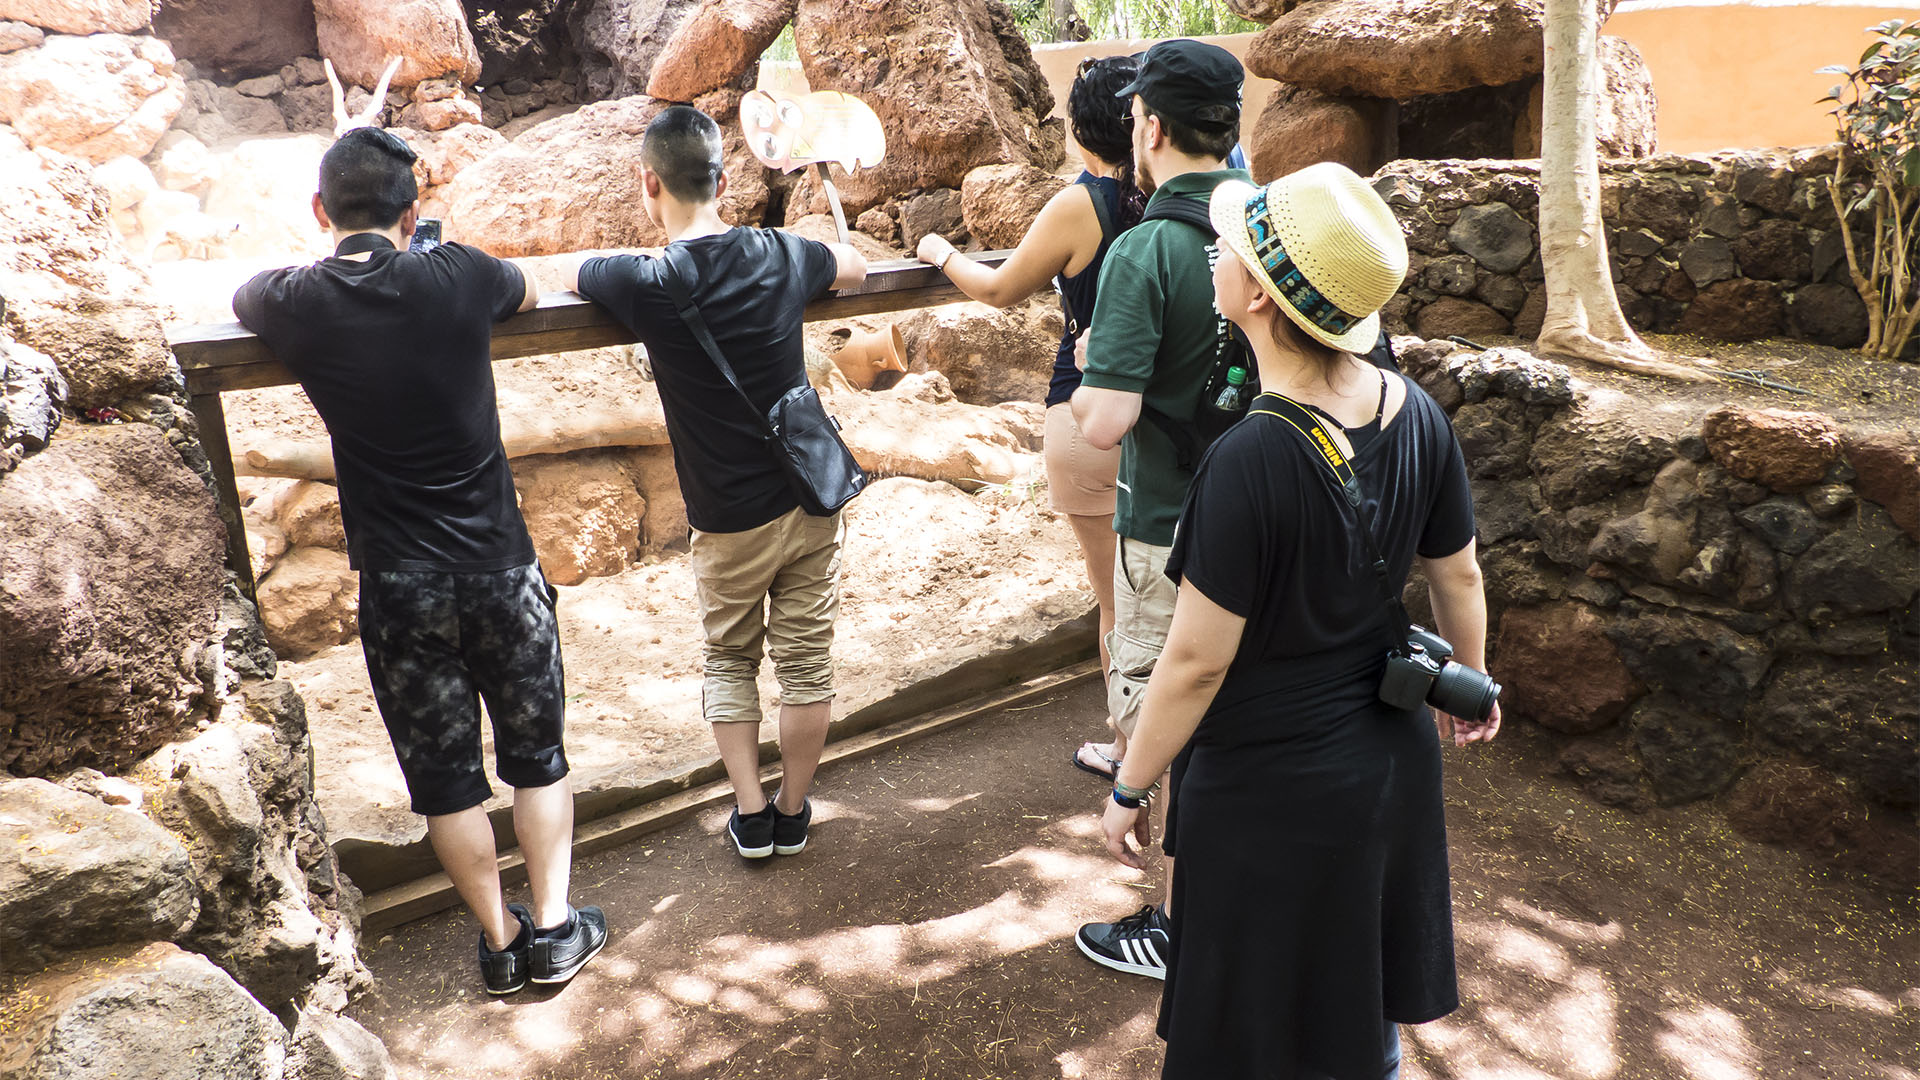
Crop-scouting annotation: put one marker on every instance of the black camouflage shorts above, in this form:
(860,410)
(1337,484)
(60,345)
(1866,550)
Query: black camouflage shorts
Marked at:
(437,644)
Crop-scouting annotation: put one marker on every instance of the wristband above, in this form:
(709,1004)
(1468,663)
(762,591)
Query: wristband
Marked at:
(1131,802)
(945,259)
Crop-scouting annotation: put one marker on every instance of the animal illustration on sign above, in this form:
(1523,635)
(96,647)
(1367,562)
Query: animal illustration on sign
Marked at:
(789,133)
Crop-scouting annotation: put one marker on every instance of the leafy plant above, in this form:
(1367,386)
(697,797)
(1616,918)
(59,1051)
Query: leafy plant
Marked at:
(1041,19)
(1877,111)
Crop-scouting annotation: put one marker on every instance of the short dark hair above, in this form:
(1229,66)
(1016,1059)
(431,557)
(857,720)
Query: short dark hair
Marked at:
(366,179)
(1193,141)
(682,147)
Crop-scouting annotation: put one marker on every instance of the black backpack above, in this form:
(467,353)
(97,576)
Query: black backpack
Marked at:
(1191,438)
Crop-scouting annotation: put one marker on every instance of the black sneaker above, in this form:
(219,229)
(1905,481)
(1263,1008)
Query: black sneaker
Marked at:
(559,954)
(1136,944)
(790,830)
(506,971)
(752,833)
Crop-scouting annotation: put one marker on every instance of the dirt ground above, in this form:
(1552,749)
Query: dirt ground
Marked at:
(926,933)
(932,578)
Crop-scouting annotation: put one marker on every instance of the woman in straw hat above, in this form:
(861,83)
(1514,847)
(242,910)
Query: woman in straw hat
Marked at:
(1311,909)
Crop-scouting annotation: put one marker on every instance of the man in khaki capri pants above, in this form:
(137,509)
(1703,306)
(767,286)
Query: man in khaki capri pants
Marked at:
(768,573)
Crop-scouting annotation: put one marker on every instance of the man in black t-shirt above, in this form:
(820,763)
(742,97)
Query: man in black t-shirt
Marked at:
(392,348)
(768,573)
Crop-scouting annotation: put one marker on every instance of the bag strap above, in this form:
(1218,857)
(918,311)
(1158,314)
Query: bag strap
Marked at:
(1340,470)
(1100,210)
(675,282)
(1180,208)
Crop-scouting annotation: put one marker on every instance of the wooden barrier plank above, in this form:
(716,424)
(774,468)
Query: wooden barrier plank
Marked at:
(418,899)
(225,356)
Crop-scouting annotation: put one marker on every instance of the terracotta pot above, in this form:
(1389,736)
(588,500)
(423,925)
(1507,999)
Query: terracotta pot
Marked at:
(867,353)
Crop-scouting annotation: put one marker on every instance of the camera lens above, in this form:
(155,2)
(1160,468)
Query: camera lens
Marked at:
(1461,691)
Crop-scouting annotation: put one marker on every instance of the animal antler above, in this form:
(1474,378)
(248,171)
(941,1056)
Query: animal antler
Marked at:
(342,123)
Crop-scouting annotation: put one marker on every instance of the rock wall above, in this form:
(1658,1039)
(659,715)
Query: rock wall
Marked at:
(169,904)
(1705,600)
(1734,246)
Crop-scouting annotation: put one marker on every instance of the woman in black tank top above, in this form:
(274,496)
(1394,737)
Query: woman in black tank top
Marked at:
(1066,245)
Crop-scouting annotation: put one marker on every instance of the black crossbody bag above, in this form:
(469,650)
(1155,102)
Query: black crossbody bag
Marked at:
(802,438)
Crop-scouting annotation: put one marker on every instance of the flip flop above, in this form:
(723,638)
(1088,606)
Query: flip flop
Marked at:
(1104,774)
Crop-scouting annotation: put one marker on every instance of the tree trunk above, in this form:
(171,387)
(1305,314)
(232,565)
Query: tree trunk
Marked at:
(1583,318)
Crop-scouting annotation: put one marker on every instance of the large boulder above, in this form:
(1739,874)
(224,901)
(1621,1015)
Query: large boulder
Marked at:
(520,39)
(583,511)
(999,202)
(110,579)
(240,37)
(953,82)
(988,355)
(32,393)
(310,602)
(619,40)
(573,184)
(1624,124)
(430,37)
(1299,127)
(78,874)
(159,1014)
(717,46)
(80,16)
(96,97)
(1400,49)
(1865,567)
(72,292)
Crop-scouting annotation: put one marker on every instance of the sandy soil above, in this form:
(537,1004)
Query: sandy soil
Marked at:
(926,933)
(932,578)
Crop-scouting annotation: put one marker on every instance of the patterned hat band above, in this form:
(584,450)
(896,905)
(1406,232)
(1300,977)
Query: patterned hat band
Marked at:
(1287,278)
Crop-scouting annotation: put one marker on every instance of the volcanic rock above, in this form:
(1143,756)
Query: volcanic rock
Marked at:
(716,46)
(1400,49)
(95,97)
(159,1014)
(988,355)
(1887,470)
(621,39)
(110,579)
(583,511)
(362,36)
(1625,122)
(310,602)
(570,184)
(1299,127)
(999,202)
(240,37)
(1538,650)
(77,874)
(80,16)
(1783,449)
(953,82)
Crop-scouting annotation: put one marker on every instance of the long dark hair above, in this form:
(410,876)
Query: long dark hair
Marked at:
(1100,124)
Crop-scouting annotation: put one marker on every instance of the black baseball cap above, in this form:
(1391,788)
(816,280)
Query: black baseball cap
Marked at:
(1190,81)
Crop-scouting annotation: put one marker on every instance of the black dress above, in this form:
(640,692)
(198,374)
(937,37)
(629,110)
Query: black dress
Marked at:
(1310,896)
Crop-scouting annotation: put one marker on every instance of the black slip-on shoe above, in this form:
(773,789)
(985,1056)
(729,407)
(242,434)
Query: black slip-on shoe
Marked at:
(752,834)
(1137,944)
(560,954)
(790,830)
(506,971)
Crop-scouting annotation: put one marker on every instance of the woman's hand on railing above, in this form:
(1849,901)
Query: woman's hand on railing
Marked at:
(1463,732)
(933,249)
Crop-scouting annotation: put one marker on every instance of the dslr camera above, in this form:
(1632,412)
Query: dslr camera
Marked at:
(1423,672)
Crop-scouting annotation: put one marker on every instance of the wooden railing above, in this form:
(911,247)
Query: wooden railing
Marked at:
(217,357)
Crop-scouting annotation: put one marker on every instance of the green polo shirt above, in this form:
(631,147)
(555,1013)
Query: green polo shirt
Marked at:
(1154,333)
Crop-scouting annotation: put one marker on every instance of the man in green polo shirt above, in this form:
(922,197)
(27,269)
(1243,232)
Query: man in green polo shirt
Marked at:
(1153,340)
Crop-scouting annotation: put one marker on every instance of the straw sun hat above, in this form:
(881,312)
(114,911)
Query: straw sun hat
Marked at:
(1321,243)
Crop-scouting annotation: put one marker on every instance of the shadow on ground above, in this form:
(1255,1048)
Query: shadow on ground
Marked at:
(927,933)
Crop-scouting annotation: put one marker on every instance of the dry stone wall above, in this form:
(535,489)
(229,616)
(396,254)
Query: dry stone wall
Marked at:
(1710,601)
(1733,246)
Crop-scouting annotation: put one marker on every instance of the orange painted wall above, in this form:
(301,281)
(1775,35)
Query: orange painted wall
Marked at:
(1741,74)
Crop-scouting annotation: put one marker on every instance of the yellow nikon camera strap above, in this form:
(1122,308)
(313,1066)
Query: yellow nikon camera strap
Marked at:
(1301,419)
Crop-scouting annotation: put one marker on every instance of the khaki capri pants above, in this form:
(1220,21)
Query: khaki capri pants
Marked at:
(776,586)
